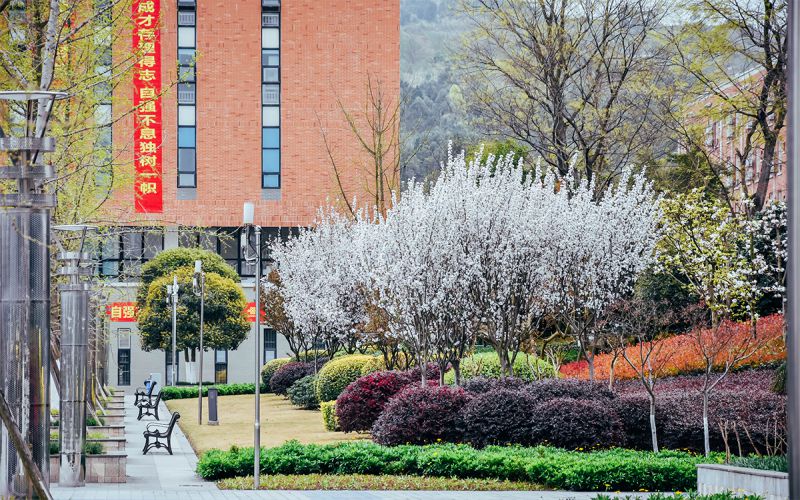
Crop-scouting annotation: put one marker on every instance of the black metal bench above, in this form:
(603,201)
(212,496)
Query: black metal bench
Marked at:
(145,405)
(144,392)
(159,432)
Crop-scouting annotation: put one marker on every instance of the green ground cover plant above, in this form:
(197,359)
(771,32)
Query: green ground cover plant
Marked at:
(775,463)
(187,392)
(608,470)
(353,482)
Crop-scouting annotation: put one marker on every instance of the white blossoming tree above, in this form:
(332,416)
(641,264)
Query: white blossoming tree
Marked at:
(597,248)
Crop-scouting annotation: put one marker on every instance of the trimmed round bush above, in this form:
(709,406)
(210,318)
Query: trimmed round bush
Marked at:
(303,393)
(480,385)
(362,401)
(487,364)
(288,374)
(544,390)
(499,416)
(340,372)
(269,369)
(576,424)
(420,415)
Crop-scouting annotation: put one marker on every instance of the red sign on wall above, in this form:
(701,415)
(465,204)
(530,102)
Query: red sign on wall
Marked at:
(250,313)
(124,312)
(147,106)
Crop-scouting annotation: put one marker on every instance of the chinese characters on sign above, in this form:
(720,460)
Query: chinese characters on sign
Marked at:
(147,105)
(250,313)
(121,311)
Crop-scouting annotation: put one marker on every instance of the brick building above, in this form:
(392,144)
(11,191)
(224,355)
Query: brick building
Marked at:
(243,89)
(724,141)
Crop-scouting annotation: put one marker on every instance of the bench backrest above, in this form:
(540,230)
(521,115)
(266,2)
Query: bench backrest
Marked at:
(175,417)
(158,398)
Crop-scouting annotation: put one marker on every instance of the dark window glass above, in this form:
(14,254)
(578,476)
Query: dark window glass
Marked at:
(153,243)
(124,367)
(188,239)
(132,245)
(186,160)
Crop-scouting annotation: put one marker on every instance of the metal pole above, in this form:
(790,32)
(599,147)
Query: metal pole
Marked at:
(259,348)
(75,298)
(793,279)
(200,279)
(174,366)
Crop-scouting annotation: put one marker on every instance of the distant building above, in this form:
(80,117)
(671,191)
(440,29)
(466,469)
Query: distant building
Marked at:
(255,82)
(724,137)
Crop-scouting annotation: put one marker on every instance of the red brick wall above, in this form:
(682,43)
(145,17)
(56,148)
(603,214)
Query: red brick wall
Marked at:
(328,49)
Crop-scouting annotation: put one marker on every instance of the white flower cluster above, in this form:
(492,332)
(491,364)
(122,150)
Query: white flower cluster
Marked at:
(487,250)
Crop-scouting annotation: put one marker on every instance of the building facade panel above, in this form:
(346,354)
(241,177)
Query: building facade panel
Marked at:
(328,54)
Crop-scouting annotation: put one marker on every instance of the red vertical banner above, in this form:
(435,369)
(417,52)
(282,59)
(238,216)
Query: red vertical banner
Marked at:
(147,106)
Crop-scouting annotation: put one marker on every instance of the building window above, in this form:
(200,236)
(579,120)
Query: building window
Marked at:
(270,344)
(187,94)
(270,95)
(124,356)
(220,366)
(122,253)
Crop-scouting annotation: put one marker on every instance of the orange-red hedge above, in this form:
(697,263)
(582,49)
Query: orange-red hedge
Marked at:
(681,354)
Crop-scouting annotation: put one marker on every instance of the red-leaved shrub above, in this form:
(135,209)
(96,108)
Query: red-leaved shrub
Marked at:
(551,388)
(480,385)
(360,404)
(421,415)
(576,424)
(288,374)
(681,354)
(499,416)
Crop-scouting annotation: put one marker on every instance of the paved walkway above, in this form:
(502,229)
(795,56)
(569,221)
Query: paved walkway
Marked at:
(159,475)
(158,470)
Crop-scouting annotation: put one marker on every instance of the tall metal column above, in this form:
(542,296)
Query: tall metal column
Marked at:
(248,222)
(25,301)
(793,278)
(75,318)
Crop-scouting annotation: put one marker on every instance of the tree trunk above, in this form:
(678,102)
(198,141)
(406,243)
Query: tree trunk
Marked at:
(653,433)
(422,374)
(706,436)
(590,362)
(611,374)
(457,371)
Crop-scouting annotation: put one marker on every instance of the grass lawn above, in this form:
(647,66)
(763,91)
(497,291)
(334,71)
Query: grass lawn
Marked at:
(367,482)
(280,422)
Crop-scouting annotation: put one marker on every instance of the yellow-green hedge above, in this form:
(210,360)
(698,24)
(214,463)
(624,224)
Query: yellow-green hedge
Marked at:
(328,409)
(338,373)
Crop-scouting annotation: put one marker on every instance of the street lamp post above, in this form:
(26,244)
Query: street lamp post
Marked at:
(172,298)
(249,212)
(199,288)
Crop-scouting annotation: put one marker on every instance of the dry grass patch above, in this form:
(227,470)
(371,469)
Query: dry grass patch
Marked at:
(280,422)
